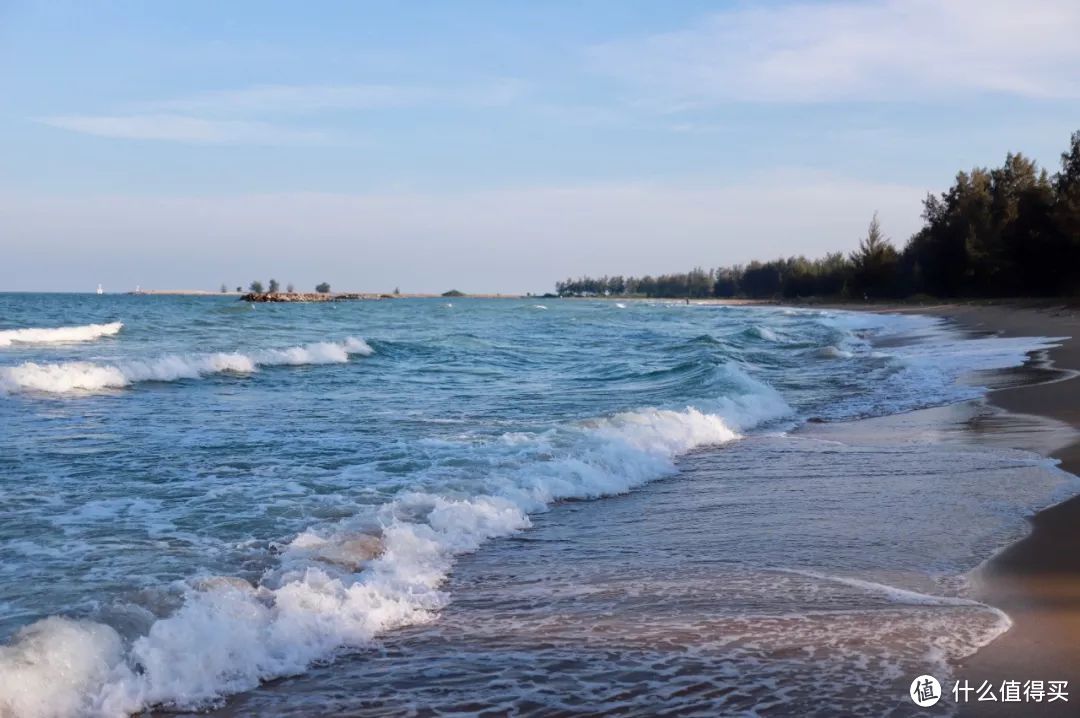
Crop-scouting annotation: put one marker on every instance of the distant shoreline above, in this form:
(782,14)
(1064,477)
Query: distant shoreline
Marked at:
(308,297)
(212,293)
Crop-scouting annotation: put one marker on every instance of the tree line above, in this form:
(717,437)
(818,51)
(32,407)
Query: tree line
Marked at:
(273,287)
(1006,231)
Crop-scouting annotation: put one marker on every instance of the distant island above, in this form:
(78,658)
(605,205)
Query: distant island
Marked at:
(310,296)
(328,296)
(1009,231)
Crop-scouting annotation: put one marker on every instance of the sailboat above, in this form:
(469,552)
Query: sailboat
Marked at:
(100,290)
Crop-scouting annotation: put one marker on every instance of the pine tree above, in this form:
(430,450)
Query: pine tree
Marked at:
(874,263)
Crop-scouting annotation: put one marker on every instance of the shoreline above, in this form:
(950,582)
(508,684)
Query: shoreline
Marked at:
(593,526)
(1035,580)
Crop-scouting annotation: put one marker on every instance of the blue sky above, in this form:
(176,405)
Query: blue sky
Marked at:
(497,146)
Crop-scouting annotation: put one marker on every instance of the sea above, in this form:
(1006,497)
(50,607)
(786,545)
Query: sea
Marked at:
(545,507)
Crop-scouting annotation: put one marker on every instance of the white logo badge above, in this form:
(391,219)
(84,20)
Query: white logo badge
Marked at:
(925,691)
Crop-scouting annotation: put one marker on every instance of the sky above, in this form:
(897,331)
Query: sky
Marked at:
(498,146)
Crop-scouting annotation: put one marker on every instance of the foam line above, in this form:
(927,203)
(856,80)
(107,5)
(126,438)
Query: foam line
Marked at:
(58,335)
(75,377)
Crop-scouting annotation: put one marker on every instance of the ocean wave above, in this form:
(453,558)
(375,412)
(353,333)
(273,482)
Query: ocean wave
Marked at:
(79,376)
(340,586)
(58,335)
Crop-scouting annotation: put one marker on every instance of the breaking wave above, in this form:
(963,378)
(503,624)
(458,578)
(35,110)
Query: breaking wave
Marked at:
(57,335)
(78,376)
(339,586)
(758,331)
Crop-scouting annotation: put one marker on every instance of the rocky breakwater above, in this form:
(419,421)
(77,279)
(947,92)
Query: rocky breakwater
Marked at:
(305,297)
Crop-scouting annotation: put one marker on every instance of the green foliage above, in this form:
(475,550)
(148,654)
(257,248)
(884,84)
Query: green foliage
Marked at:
(274,287)
(874,264)
(792,277)
(323,287)
(256,287)
(1008,231)
(453,293)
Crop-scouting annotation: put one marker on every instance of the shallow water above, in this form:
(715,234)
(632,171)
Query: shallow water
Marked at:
(789,575)
(219,494)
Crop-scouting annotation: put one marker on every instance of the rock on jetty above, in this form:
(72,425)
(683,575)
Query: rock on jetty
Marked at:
(306,297)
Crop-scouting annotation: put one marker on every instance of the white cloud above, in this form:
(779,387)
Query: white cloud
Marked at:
(882,50)
(181,128)
(495,240)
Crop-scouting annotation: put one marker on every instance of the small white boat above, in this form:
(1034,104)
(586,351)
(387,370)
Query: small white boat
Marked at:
(100,290)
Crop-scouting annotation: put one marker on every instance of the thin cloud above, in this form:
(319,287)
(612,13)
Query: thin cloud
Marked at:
(257,115)
(887,50)
(185,129)
(305,99)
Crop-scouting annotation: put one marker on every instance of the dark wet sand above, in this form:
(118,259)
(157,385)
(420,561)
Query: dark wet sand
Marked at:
(1037,579)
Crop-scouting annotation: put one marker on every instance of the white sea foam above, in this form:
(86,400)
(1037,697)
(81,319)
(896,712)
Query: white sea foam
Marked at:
(762,332)
(895,594)
(929,365)
(52,665)
(341,586)
(68,377)
(834,352)
(973,638)
(57,335)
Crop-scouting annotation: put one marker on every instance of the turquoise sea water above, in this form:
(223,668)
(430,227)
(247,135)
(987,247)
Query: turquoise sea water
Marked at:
(200,495)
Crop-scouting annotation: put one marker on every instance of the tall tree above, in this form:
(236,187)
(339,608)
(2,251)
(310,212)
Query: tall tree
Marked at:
(1067,210)
(874,263)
